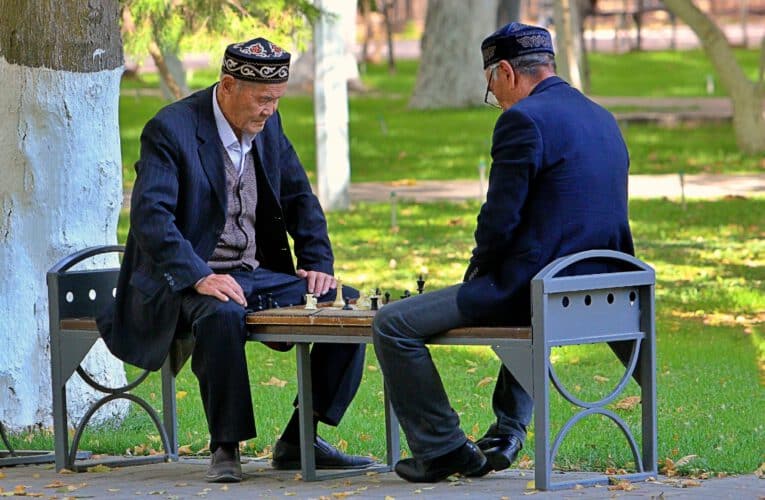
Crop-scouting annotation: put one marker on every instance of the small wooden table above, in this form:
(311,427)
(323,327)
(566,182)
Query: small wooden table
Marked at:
(302,327)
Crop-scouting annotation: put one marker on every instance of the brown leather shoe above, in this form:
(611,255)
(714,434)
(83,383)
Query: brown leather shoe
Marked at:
(225,466)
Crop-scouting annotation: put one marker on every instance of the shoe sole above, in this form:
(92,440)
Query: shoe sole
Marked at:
(498,461)
(298,466)
(224,478)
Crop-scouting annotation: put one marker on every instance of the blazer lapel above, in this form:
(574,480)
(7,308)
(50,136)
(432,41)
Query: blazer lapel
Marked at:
(210,154)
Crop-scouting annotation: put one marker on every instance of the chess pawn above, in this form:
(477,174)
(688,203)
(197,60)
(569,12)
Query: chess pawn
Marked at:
(420,285)
(407,294)
(373,303)
(347,305)
(338,294)
(386,298)
(310,301)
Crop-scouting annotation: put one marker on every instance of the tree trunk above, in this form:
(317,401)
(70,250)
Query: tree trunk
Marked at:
(333,169)
(172,75)
(450,74)
(747,96)
(60,68)
(569,51)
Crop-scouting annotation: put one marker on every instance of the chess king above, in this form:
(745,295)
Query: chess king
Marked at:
(218,190)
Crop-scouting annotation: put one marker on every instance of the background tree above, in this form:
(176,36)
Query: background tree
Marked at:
(450,73)
(747,95)
(60,69)
(570,49)
(164,29)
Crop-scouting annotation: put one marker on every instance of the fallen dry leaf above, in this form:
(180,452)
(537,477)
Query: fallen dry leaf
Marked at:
(600,379)
(621,485)
(20,490)
(628,403)
(760,472)
(525,462)
(185,450)
(484,381)
(342,445)
(372,368)
(685,460)
(55,484)
(181,394)
(99,468)
(275,382)
(689,483)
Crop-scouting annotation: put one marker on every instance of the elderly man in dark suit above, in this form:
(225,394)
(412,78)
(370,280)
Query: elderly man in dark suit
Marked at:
(218,189)
(558,185)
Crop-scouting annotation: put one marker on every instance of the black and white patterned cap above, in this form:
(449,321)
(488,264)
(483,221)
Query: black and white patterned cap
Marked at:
(257,61)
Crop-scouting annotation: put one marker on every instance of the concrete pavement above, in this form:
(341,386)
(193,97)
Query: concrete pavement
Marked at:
(641,186)
(184,480)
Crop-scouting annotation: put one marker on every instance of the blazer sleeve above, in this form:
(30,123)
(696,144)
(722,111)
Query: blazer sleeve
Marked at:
(303,214)
(516,154)
(153,205)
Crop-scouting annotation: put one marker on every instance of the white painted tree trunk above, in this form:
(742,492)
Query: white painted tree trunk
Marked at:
(333,166)
(569,51)
(61,186)
(450,73)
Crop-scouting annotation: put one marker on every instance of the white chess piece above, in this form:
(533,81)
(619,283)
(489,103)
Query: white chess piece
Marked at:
(310,301)
(339,295)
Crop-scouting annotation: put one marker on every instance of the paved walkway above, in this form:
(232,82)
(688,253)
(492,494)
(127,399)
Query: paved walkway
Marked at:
(184,480)
(641,186)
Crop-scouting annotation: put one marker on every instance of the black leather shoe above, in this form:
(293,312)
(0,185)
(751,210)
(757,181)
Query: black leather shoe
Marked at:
(500,450)
(464,460)
(286,456)
(225,466)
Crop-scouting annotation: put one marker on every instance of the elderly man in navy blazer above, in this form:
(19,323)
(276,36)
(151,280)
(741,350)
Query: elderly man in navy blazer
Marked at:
(218,189)
(558,185)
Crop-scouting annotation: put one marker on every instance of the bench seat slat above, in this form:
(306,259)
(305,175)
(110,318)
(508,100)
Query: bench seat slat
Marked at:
(82,324)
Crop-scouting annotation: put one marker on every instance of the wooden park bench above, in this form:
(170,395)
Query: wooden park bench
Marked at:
(567,310)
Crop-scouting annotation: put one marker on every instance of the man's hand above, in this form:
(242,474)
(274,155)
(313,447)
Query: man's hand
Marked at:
(318,283)
(221,286)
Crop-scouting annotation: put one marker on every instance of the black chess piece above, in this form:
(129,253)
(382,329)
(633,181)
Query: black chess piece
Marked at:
(347,306)
(407,294)
(420,285)
(386,298)
(269,301)
(275,304)
(373,303)
(259,306)
(377,292)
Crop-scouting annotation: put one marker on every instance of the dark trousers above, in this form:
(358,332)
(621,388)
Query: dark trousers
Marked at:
(431,425)
(219,362)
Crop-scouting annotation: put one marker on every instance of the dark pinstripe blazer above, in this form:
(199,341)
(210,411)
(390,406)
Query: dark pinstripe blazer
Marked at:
(558,185)
(178,213)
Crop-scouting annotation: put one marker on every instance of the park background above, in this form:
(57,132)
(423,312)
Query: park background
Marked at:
(708,253)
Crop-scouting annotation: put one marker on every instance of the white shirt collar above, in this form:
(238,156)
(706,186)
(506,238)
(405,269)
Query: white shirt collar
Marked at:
(236,151)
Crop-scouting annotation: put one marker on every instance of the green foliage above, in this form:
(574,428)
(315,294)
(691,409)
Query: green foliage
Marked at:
(208,25)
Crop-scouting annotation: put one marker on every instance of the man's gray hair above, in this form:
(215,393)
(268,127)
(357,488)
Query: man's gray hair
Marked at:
(530,63)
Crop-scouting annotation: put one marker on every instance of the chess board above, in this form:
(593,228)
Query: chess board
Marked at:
(325,320)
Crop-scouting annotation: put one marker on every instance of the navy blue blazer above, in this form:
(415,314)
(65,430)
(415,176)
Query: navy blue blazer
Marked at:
(557,185)
(178,210)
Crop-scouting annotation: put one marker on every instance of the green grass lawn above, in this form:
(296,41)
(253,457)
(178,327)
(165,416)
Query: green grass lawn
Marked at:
(710,263)
(390,142)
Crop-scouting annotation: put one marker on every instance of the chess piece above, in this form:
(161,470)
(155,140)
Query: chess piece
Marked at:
(420,285)
(269,301)
(259,306)
(373,303)
(338,294)
(310,301)
(386,298)
(347,306)
(407,294)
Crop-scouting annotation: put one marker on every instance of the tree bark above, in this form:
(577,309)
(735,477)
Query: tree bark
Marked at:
(450,73)
(569,50)
(746,95)
(60,68)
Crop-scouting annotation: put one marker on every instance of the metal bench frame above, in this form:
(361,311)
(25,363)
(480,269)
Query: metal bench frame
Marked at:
(566,310)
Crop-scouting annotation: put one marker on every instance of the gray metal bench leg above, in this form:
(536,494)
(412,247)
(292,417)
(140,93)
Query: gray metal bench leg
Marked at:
(541,397)
(392,436)
(305,410)
(648,381)
(169,409)
(60,424)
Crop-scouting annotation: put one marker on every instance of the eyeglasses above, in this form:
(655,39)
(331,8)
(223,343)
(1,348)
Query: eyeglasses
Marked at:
(489,98)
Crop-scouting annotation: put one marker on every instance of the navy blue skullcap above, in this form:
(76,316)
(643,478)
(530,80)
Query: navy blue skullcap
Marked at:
(514,40)
(257,61)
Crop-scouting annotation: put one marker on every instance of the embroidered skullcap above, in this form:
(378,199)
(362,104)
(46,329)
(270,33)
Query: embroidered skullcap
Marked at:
(257,61)
(514,40)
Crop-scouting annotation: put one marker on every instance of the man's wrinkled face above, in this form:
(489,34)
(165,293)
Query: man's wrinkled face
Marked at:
(247,105)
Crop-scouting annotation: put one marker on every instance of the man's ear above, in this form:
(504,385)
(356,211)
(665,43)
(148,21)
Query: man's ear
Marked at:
(507,72)
(227,83)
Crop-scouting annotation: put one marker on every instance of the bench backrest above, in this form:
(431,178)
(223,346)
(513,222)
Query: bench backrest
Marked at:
(576,309)
(81,293)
